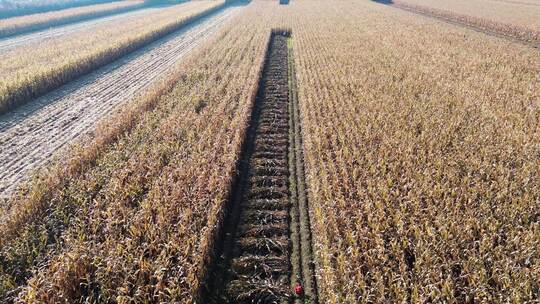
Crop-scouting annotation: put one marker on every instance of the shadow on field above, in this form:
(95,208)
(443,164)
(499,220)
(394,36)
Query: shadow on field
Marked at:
(387,2)
(238,2)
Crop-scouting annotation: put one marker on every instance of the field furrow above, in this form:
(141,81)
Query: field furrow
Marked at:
(33,133)
(256,251)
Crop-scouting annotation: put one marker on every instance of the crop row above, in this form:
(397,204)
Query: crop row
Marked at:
(131,216)
(421,144)
(31,70)
(422,152)
(13,8)
(523,13)
(517,21)
(19,25)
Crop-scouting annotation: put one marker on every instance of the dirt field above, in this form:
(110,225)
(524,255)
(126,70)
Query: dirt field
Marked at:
(33,133)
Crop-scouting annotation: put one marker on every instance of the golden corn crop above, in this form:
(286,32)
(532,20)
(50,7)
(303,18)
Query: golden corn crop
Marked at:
(16,25)
(134,211)
(512,13)
(421,144)
(42,67)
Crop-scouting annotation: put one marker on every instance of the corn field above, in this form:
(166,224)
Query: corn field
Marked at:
(133,212)
(511,13)
(517,20)
(48,65)
(21,24)
(421,145)
(13,8)
(422,159)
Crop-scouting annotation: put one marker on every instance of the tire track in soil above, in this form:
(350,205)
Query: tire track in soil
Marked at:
(476,28)
(23,40)
(260,252)
(31,135)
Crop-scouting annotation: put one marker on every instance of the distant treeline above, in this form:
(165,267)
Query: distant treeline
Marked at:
(12,8)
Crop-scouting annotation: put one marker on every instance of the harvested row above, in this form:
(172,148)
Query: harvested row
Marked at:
(527,34)
(40,69)
(256,268)
(131,216)
(24,24)
(260,259)
(33,134)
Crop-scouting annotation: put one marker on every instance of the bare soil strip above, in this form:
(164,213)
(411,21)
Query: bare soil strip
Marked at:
(260,258)
(32,134)
(471,26)
(24,40)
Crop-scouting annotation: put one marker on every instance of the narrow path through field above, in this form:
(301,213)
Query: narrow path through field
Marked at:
(32,134)
(261,251)
(12,42)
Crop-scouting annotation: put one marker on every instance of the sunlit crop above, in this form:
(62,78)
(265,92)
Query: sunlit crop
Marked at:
(517,19)
(422,147)
(422,153)
(131,216)
(24,75)
(16,25)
